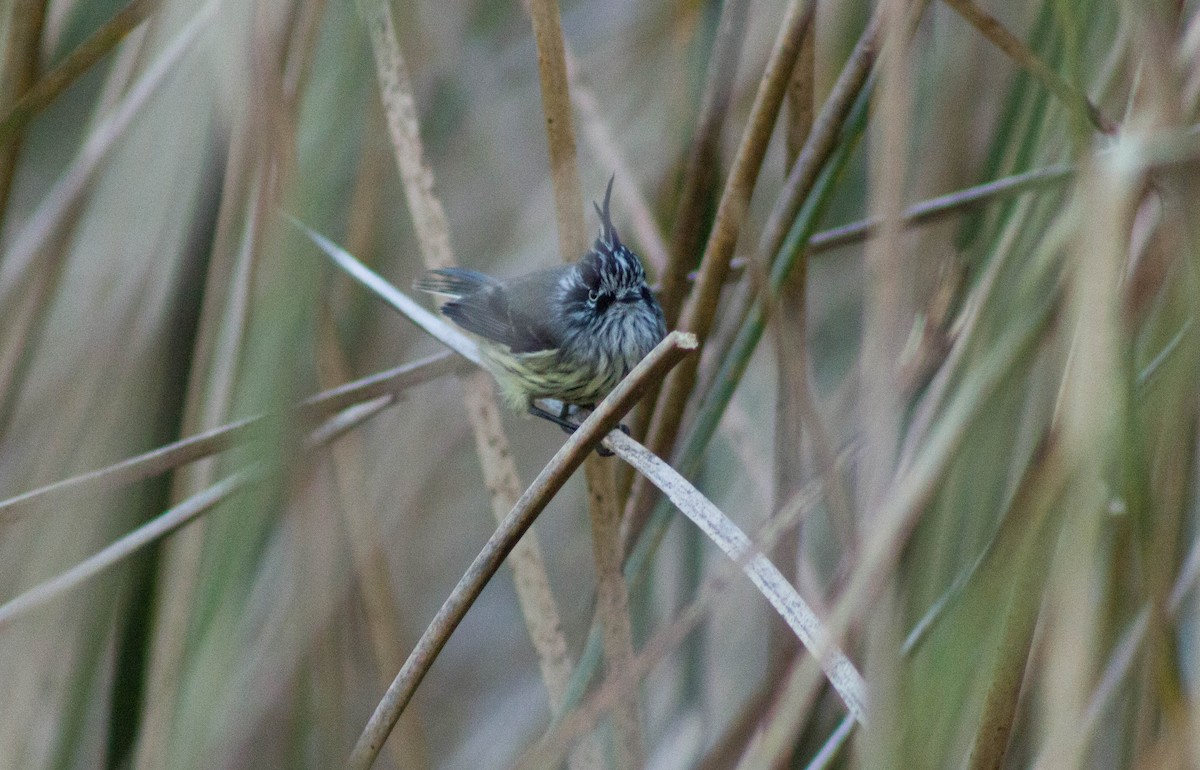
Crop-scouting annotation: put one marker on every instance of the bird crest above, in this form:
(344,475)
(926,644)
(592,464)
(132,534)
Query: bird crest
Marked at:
(610,266)
(608,233)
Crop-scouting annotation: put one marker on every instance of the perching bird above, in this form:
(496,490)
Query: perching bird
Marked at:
(567,333)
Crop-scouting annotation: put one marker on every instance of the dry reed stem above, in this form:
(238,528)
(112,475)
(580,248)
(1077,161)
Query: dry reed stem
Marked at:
(1097,375)
(587,755)
(603,507)
(85,56)
(887,311)
(560,136)
(991,28)
(821,141)
(612,607)
(568,458)
(529,571)
(700,169)
(789,326)
(171,456)
(699,177)
(612,604)
(700,310)
(400,109)
(20,69)
(811,157)
(800,100)
(492,445)
(819,144)
(596,129)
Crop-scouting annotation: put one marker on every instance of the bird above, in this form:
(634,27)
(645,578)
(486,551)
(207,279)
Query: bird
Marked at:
(567,333)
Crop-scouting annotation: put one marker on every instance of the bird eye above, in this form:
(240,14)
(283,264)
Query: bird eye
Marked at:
(599,300)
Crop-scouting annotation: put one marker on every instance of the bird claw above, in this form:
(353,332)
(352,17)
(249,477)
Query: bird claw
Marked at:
(569,427)
(602,451)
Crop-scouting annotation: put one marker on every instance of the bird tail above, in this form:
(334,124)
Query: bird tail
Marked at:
(453,282)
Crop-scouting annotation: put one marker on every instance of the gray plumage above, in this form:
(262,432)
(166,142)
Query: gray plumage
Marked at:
(568,333)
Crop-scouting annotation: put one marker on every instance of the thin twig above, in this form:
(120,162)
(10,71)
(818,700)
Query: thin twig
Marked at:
(933,210)
(173,455)
(991,28)
(175,517)
(832,745)
(944,206)
(568,458)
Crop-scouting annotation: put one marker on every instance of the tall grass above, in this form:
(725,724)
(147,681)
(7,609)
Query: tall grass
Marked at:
(941,258)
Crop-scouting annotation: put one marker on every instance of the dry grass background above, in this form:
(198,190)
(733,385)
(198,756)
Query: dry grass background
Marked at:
(943,260)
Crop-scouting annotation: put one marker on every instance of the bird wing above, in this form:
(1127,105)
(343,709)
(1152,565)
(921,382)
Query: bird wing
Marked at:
(453,282)
(520,313)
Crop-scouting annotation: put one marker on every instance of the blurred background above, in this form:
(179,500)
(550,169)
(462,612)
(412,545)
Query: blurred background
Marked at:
(986,421)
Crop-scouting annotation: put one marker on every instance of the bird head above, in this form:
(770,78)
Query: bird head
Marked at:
(610,272)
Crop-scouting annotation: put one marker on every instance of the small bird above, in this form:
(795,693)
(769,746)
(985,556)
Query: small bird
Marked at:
(567,333)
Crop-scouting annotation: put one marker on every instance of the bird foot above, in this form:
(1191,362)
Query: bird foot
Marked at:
(561,421)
